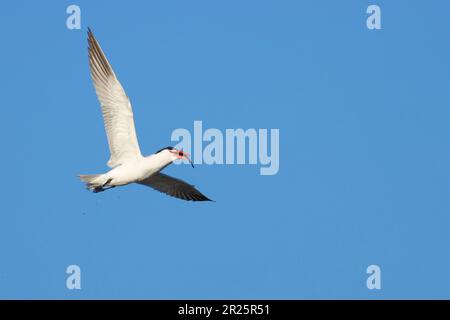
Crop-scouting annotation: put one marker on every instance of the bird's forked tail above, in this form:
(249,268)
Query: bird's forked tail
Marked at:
(91,181)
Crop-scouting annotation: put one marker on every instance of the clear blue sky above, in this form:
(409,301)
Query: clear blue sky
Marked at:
(364,119)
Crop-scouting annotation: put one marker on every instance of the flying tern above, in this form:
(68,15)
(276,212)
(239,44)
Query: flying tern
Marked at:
(127,163)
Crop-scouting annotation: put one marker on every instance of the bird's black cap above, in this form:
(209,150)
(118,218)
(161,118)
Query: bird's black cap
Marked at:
(166,148)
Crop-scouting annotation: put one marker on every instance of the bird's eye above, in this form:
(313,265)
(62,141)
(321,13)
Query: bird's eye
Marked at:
(180,153)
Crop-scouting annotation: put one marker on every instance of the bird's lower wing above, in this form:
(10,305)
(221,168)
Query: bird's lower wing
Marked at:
(116,107)
(174,187)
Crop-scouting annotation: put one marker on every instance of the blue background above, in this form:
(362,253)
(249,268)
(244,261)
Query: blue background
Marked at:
(364,150)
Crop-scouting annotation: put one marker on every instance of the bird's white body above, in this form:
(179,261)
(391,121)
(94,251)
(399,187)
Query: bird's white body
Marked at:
(136,170)
(127,163)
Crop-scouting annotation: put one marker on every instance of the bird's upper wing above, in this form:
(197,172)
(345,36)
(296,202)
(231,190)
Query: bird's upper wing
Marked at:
(116,107)
(174,187)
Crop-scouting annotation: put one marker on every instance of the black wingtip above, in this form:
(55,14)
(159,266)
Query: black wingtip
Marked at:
(204,198)
(199,198)
(90,35)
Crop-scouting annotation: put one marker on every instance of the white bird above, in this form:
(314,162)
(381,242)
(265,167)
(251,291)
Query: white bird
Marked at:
(127,163)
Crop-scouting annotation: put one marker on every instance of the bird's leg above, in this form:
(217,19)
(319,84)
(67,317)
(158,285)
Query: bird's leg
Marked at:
(102,188)
(106,183)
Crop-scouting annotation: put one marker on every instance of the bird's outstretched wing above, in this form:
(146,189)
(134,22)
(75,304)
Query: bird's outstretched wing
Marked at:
(116,107)
(174,187)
